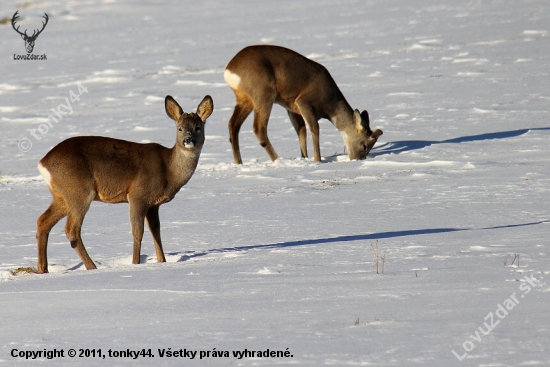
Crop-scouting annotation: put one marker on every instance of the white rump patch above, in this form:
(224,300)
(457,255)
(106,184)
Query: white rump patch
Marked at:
(232,79)
(45,174)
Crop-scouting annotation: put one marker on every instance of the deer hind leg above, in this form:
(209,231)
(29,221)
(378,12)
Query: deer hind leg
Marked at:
(300,127)
(243,107)
(262,110)
(153,222)
(77,209)
(45,223)
(138,211)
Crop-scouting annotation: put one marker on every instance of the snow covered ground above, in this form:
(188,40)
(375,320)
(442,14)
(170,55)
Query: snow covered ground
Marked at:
(279,255)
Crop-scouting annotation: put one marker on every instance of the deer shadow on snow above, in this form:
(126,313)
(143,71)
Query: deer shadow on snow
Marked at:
(397,147)
(188,255)
(360,237)
(387,148)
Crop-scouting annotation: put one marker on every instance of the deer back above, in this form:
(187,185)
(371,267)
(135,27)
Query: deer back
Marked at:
(109,167)
(292,75)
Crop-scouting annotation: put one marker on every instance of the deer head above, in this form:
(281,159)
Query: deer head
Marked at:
(361,139)
(29,40)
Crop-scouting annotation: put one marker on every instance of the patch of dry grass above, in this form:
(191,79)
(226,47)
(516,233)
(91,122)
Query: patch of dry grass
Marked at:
(24,270)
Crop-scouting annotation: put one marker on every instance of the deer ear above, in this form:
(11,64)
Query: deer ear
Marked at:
(365,117)
(375,135)
(366,121)
(358,121)
(205,108)
(173,109)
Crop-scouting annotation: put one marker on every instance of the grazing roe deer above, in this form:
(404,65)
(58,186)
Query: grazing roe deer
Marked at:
(262,75)
(86,168)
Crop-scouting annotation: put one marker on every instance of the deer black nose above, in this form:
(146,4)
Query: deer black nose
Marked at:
(189,142)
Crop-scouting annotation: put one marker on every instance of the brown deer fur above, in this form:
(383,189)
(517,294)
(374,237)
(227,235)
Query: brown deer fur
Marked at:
(86,168)
(263,75)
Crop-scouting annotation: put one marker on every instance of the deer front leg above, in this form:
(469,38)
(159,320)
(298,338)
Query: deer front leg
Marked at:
(138,211)
(311,120)
(153,222)
(300,127)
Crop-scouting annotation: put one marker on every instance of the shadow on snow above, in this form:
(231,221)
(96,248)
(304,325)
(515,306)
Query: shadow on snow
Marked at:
(360,237)
(408,145)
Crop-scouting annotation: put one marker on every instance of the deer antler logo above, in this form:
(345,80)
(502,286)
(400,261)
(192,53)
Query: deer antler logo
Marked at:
(29,40)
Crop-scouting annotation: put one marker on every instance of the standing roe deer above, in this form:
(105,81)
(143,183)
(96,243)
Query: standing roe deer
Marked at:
(86,168)
(262,75)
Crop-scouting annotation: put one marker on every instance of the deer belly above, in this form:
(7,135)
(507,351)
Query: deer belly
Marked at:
(162,200)
(111,196)
(289,104)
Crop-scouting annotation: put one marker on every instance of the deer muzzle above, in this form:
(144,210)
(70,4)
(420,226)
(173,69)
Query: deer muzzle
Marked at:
(189,142)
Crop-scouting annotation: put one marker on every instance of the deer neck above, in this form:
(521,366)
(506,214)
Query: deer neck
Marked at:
(181,165)
(341,115)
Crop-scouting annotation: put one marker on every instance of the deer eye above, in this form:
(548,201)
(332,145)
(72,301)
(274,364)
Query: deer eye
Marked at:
(198,129)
